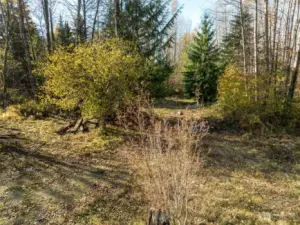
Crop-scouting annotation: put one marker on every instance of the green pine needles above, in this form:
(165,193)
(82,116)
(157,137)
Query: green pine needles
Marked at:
(201,75)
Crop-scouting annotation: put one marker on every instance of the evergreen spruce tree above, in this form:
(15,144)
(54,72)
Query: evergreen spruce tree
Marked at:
(63,33)
(232,50)
(148,24)
(200,78)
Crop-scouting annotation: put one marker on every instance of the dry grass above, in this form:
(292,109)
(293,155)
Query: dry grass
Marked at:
(244,179)
(169,108)
(11,113)
(172,160)
(89,179)
(238,183)
(244,186)
(73,179)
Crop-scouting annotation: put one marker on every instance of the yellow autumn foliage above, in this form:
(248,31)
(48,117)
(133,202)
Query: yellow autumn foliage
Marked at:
(250,100)
(95,76)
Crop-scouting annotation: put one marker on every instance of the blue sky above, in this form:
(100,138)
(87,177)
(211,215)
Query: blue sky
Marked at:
(194,9)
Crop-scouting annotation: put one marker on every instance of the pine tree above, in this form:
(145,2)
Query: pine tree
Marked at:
(200,78)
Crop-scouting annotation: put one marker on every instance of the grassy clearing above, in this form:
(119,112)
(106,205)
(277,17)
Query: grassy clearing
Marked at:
(88,179)
(71,179)
(243,183)
(170,108)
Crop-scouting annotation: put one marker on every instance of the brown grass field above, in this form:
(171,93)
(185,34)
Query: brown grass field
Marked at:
(88,179)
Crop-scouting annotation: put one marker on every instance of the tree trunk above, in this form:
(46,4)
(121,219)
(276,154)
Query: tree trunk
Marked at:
(279,41)
(84,20)
(78,22)
(30,38)
(267,54)
(52,28)
(296,30)
(157,217)
(117,17)
(243,36)
(5,69)
(267,44)
(256,61)
(24,37)
(290,54)
(286,32)
(274,36)
(174,10)
(294,79)
(45,4)
(95,19)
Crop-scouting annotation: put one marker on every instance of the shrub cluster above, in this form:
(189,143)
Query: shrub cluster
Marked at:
(245,99)
(94,78)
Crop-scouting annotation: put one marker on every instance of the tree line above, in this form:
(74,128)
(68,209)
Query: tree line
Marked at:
(254,44)
(260,38)
(30,34)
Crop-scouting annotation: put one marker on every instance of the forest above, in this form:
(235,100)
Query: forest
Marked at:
(121,112)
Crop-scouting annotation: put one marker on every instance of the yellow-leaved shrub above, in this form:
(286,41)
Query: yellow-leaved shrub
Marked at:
(94,77)
(253,102)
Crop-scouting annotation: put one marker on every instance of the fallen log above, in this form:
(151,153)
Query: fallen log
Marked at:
(79,125)
(65,129)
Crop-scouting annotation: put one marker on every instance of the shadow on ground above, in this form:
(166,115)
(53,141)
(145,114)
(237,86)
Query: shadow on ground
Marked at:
(38,187)
(264,155)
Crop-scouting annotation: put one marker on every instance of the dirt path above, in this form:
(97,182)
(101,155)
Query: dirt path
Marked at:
(74,179)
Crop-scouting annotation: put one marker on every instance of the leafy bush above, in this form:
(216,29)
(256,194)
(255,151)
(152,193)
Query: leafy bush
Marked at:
(233,95)
(94,78)
(244,98)
(37,109)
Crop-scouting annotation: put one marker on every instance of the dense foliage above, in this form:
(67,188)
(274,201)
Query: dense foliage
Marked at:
(96,78)
(239,100)
(145,22)
(149,25)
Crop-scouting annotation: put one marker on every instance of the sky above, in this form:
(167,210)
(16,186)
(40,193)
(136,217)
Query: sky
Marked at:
(194,9)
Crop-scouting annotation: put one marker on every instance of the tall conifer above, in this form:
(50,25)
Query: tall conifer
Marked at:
(200,78)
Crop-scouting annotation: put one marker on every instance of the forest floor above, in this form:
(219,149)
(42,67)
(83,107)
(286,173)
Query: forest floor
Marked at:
(46,178)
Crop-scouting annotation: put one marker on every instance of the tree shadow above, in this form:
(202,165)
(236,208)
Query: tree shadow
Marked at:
(229,153)
(37,187)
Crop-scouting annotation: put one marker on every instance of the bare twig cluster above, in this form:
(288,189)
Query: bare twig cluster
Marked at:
(173,159)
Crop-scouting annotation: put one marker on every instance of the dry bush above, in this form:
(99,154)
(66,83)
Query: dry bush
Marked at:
(137,113)
(11,113)
(173,160)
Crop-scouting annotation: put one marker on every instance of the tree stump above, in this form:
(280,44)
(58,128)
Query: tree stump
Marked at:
(158,217)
